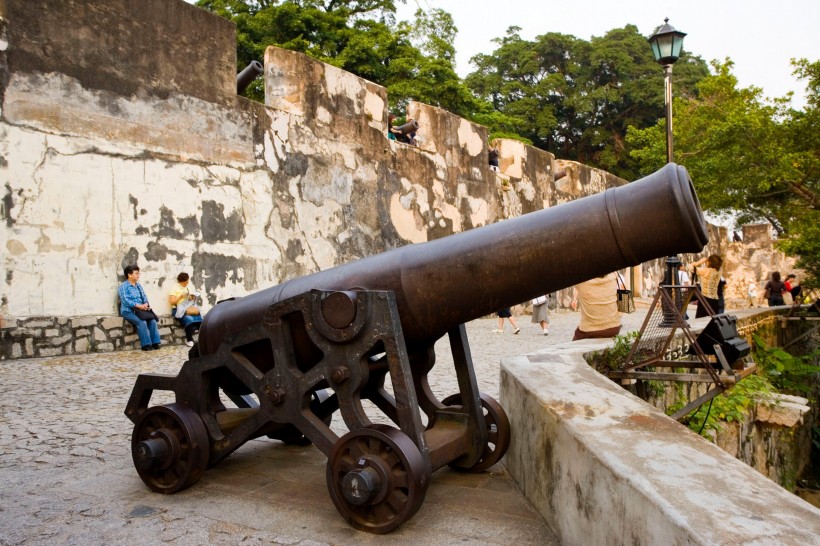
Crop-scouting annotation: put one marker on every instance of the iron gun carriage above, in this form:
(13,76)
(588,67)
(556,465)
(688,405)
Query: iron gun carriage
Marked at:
(283,361)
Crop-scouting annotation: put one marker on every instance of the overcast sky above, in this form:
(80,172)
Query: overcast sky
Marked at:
(760,36)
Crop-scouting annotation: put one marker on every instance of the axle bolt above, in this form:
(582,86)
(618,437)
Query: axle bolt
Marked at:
(276,395)
(340,374)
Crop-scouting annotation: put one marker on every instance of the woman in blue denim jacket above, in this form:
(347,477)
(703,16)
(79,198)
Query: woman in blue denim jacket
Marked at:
(133,298)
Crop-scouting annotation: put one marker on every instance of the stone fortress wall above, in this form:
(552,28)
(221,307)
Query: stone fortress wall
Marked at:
(123,141)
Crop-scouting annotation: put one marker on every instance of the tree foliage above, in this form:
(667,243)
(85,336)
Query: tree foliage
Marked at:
(749,157)
(576,98)
(414,61)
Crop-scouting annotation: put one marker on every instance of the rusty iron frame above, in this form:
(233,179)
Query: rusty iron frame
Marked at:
(654,338)
(272,397)
(287,375)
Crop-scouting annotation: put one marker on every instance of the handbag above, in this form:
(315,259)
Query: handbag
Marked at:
(146,315)
(540,300)
(553,302)
(626,303)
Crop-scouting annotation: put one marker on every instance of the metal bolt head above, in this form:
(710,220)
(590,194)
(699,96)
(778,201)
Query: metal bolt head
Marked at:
(340,374)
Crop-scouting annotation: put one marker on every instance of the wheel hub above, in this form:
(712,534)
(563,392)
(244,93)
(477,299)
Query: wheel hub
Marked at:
(361,485)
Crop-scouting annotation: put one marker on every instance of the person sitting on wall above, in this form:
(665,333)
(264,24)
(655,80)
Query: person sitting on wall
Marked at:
(493,156)
(793,286)
(184,308)
(134,302)
(391,135)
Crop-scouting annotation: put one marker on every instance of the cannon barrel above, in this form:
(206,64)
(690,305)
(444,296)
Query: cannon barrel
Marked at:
(248,74)
(449,281)
(408,127)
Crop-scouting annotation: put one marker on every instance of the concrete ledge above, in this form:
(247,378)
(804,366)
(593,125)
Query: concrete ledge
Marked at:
(604,467)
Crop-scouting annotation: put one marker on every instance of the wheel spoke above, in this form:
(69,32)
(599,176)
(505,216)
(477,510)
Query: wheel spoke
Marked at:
(396,499)
(399,478)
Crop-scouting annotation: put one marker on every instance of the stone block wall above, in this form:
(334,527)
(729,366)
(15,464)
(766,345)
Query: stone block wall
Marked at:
(55,336)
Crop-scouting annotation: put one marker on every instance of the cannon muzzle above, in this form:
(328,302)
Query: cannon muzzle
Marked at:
(455,279)
(409,127)
(248,74)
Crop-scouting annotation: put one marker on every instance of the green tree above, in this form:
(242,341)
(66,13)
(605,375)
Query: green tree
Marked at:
(576,98)
(429,75)
(414,61)
(750,157)
(354,35)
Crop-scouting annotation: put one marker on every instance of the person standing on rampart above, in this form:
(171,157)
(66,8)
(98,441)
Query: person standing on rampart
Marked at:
(709,278)
(598,299)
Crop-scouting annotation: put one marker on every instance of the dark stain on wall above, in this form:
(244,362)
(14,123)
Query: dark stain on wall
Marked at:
(189,225)
(133,201)
(131,257)
(213,271)
(176,228)
(296,164)
(8,204)
(167,224)
(157,252)
(294,250)
(216,227)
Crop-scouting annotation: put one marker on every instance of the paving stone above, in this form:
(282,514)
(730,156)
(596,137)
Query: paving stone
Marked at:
(65,462)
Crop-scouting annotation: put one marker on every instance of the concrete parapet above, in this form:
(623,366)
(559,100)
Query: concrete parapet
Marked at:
(604,467)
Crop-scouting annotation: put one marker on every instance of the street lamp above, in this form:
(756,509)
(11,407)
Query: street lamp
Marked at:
(666,46)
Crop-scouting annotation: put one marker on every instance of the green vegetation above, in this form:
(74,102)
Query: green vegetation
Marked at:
(613,359)
(788,373)
(576,98)
(755,158)
(729,406)
(778,371)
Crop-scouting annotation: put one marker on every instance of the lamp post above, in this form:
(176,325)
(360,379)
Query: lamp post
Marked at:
(666,46)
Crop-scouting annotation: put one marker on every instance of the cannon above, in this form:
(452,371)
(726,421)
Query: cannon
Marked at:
(284,361)
(248,74)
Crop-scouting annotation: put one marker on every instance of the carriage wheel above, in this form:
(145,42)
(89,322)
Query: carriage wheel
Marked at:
(377,478)
(170,448)
(498,432)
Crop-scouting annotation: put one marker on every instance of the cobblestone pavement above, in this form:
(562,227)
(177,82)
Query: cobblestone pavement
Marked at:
(68,478)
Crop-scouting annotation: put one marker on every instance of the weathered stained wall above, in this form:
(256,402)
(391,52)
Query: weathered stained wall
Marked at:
(114,154)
